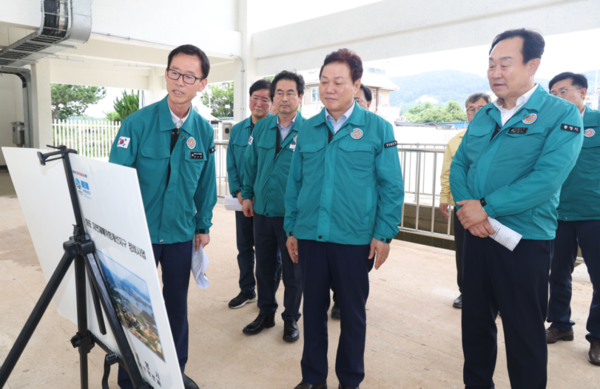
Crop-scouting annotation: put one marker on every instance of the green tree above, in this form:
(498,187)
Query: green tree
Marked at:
(112,116)
(126,105)
(73,100)
(219,98)
(429,113)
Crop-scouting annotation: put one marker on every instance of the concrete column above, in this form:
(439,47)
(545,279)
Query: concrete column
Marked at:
(41,126)
(245,70)
(157,86)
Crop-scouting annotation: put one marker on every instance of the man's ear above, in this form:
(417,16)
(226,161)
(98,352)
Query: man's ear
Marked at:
(357,85)
(203,84)
(533,65)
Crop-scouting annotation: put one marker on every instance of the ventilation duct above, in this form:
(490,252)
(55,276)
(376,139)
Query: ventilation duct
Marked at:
(65,24)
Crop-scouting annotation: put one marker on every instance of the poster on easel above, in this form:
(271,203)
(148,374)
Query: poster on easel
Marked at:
(113,212)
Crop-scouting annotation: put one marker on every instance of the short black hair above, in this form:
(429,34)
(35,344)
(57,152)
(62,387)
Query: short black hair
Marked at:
(533,42)
(191,50)
(260,84)
(476,97)
(368,94)
(577,79)
(292,76)
(348,57)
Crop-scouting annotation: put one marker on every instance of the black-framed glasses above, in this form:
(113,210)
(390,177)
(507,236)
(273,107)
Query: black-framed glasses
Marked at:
(473,111)
(563,91)
(187,78)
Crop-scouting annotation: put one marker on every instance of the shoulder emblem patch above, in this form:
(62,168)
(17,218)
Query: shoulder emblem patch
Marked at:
(123,142)
(589,132)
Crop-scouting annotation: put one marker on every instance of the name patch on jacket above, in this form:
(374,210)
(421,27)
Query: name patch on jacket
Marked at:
(567,127)
(518,130)
(195,155)
(391,144)
(213,149)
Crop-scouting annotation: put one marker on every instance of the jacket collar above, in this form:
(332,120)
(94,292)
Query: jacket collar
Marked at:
(533,105)
(166,121)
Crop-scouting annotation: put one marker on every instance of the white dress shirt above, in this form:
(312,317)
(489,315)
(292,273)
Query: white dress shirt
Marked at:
(340,122)
(506,114)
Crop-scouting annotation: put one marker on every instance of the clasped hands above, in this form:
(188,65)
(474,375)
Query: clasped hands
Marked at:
(474,218)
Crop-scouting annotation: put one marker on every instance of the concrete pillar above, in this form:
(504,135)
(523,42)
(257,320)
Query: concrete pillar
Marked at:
(245,69)
(157,86)
(41,128)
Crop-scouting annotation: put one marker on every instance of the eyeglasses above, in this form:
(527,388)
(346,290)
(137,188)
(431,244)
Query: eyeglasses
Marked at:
(473,111)
(187,78)
(563,91)
(288,94)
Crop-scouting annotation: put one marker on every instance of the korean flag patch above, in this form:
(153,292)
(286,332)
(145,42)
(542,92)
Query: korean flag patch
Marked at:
(123,142)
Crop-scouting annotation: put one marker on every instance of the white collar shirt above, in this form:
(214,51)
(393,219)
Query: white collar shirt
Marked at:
(506,114)
(179,121)
(285,130)
(342,119)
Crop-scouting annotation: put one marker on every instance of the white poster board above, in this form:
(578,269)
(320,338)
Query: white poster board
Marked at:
(114,217)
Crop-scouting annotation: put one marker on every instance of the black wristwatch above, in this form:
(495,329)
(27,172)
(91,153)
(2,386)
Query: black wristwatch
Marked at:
(200,231)
(483,202)
(291,233)
(386,240)
(236,192)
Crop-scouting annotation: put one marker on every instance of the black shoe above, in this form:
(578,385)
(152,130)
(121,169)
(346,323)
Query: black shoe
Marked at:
(458,302)
(241,300)
(290,331)
(306,385)
(335,311)
(188,383)
(260,323)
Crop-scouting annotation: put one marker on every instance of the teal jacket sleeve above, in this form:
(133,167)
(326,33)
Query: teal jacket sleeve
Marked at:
(294,184)
(205,197)
(125,146)
(458,173)
(390,187)
(232,173)
(250,167)
(558,156)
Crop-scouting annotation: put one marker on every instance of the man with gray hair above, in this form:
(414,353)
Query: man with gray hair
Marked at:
(473,104)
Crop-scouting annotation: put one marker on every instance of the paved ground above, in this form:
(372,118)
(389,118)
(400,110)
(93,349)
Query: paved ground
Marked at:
(413,338)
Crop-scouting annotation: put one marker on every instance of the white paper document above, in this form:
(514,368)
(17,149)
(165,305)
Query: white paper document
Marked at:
(504,235)
(199,264)
(232,203)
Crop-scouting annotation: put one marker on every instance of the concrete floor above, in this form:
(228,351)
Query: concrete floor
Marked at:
(413,338)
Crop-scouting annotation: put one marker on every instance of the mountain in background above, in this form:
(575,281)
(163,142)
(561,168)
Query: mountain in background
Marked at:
(446,85)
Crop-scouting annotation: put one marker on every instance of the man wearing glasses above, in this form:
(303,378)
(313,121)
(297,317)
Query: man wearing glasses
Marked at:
(473,104)
(578,222)
(266,168)
(171,147)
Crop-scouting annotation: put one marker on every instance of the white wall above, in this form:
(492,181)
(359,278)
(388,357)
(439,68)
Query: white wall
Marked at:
(11,109)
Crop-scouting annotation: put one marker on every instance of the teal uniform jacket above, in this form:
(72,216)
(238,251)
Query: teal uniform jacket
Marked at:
(265,172)
(347,191)
(520,172)
(175,212)
(580,194)
(236,150)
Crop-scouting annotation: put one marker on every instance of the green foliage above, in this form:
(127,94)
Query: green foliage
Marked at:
(126,105)
(219,99)
(73,100)
(112,116)
(429,113)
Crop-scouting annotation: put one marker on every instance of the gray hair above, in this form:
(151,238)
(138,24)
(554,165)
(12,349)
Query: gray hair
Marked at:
(476,97)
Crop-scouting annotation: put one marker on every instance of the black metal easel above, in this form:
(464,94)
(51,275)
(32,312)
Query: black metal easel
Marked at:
(81,250)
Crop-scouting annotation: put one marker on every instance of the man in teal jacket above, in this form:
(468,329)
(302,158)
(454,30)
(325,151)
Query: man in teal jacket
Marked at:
(266,166)
(171,147)
(510,165)
(260,105)
(578,222)
(343,205)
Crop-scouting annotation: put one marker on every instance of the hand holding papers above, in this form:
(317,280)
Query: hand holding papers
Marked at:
(232,203)
(199,264)
(504,235)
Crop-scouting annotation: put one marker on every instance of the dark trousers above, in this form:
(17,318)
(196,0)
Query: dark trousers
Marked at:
(347,269)
(586,233)
(176,263)
(269,236)
(244,233)
(459,240)
(516,283)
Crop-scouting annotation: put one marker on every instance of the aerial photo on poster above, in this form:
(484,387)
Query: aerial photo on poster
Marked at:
(131,299)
